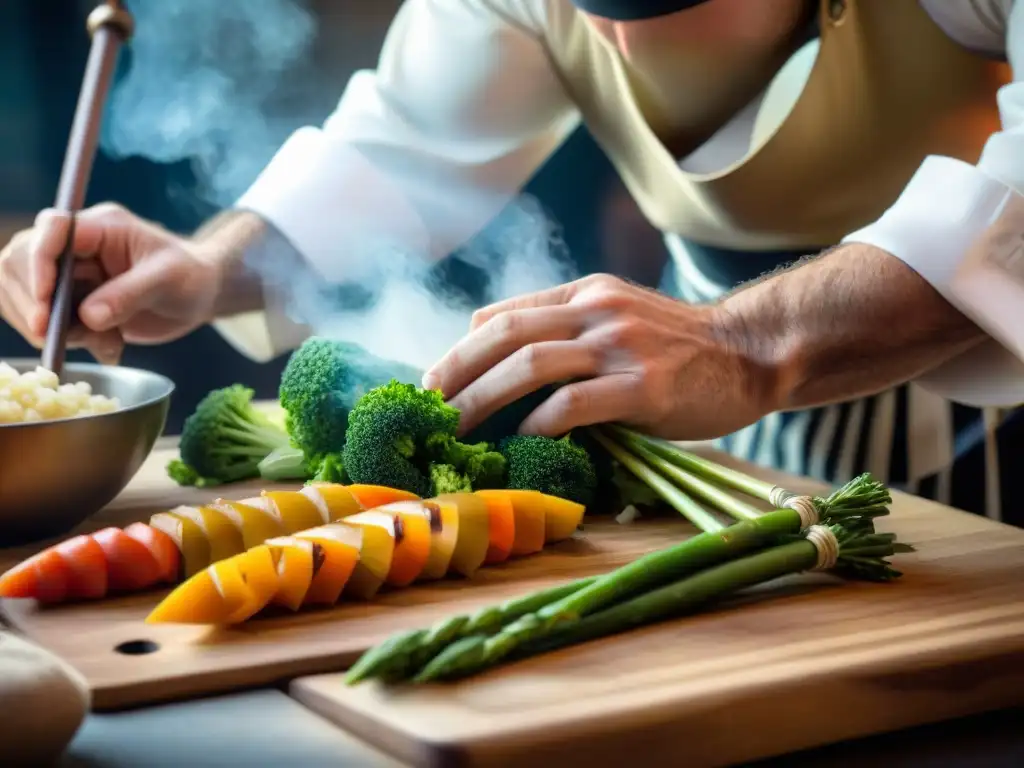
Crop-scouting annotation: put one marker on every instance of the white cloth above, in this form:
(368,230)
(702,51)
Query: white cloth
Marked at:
(464,106)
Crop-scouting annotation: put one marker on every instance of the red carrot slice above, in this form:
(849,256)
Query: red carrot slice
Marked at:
(87,567)
(162,547)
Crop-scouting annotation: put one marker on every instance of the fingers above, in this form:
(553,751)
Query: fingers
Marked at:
(96,232)
(530,368)
(123,296)
(106,347)
(560,294)
(580,404)
(496,340)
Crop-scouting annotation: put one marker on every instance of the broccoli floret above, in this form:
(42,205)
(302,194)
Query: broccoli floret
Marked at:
(321,383)
(398,433)
(183,474)
(331,470)
(484,466)
(225,439)
(388,433)
(444,478)
(557,467)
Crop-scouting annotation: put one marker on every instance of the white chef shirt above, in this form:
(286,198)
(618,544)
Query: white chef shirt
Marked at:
(464,106)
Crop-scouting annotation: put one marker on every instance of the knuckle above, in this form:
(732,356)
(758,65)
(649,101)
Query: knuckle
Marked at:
(504,326)
(572,399)
(530,357)
(479,318)
(110,213)
(624,332)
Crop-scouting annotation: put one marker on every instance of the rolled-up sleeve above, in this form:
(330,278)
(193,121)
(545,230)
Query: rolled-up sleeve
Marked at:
(462,109)
(949,204)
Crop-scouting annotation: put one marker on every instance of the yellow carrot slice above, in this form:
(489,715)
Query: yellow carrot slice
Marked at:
(298,561)
(256,524)
(224,537)
(561,518)
(188,537)
(474,532)
(376,555)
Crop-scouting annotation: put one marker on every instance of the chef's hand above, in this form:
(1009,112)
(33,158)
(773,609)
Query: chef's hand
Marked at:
(630,355)
(150,286)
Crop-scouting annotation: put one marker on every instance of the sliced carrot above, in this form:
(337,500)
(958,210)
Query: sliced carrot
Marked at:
(259,572)
(474,532)
(501,519)
(375,556)
(373,496)
(529,508)
(223,535)
(256,524)
(333,500)
(341,545)
(561,518)
(130,565)
(412,541)
(202,599)
(444,525)
(44,576)
(87,566)
(188,538)
(162,547)
(297,565)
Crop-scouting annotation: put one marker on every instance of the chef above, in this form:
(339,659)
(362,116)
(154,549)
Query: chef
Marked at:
(823,172)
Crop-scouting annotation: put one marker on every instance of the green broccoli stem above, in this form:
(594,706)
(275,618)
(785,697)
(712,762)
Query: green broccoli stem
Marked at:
(284,463)
(672,495)
(404,653)
(534,634)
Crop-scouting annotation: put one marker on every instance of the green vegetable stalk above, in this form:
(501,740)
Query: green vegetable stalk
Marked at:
(826,548)
(863,495)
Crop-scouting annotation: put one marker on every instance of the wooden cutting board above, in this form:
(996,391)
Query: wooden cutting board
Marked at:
(128,662)
(819,662)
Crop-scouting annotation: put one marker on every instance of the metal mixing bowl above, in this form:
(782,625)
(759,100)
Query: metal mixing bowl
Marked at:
(54,474)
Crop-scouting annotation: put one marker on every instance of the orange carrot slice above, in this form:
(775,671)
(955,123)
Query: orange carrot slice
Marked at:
(341,545)
(501,520)
(130,565)
(256,524)
(412,541)
(561,518)
(209,597)
(375,556)
(162,547)
(529,508)
(373,496)
(87,567)
(298,562)
(474,532)
(259,573)
(443,518)
(224,537)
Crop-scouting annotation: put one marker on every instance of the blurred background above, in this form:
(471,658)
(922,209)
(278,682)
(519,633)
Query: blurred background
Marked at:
(43,48)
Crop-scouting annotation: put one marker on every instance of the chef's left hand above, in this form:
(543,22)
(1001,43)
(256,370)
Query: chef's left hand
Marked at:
(630,355)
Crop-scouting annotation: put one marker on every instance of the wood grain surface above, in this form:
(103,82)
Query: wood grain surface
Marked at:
(191,661)
(819,662)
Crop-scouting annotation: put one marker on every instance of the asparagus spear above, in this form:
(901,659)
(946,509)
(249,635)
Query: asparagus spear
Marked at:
(537,614)
(821,548)
(863,495)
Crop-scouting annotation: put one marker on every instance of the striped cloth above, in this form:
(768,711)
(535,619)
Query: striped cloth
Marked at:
(907,437)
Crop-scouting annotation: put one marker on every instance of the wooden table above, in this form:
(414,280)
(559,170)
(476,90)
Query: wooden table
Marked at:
(267,727)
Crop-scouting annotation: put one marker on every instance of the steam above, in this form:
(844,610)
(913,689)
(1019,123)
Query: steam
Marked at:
(209,83)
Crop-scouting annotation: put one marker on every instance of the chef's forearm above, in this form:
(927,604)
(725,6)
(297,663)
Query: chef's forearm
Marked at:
(852,322)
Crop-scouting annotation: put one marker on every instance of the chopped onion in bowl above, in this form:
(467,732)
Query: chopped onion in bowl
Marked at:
(38,395)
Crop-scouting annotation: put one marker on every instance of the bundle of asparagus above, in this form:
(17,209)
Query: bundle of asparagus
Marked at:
(834,534)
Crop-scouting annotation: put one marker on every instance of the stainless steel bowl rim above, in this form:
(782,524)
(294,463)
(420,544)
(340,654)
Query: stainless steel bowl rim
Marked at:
(94,367)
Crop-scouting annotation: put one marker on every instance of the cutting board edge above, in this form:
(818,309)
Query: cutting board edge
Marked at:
(425,746)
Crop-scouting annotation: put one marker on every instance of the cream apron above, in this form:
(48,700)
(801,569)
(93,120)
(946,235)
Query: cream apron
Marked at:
(767,169)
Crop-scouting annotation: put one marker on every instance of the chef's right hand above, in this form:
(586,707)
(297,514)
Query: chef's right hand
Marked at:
(149,285)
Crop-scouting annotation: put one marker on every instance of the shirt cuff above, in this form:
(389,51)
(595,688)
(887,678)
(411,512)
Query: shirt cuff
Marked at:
(335,207)
(946,206)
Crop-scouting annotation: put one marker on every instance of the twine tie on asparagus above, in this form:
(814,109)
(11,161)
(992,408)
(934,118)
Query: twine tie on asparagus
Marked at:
(804,506)
(827,545)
